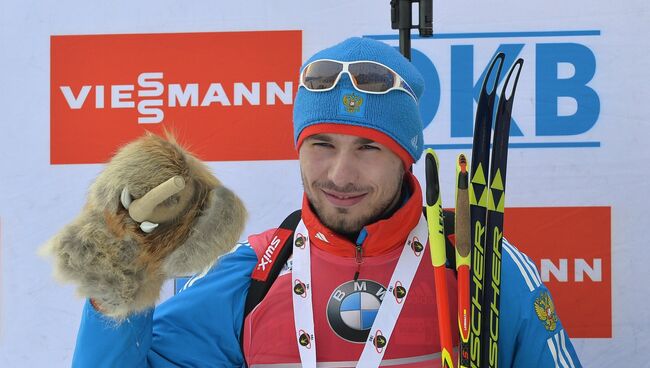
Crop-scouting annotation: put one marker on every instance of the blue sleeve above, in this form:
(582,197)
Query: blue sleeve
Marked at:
(198,327)
(102,342)
(531,333)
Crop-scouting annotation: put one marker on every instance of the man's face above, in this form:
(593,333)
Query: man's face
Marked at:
(350,181)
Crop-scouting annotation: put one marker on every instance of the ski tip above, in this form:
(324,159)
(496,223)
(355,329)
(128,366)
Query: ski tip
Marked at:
(491,81)
(431,173)
(462,163)
(431,161)
(509,88)
(461,172)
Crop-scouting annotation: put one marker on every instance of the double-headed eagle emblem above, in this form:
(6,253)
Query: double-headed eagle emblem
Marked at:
(352,102)
(545,310)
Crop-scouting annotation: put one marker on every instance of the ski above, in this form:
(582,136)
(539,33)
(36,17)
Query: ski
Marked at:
(463,248)
(487,201)
(478,204)
(496,201)
(438,256)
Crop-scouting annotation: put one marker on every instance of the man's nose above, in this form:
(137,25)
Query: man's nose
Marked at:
(344,169)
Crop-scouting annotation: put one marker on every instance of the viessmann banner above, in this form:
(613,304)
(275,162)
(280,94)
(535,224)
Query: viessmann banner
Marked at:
(228,94)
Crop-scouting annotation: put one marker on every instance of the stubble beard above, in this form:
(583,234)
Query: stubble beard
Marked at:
(339,219)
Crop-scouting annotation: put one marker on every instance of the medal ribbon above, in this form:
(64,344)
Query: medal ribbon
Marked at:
(389,310)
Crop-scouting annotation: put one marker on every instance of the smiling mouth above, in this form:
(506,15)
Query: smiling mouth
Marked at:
(344,200)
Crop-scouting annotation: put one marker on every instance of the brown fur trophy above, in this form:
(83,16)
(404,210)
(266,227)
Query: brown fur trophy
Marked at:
(155,212)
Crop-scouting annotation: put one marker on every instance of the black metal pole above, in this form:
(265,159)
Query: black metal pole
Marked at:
(426,18)
(400,16)
(401,19)
(405,25)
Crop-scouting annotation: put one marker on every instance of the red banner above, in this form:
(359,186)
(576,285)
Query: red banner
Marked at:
(228,96)
(571,246)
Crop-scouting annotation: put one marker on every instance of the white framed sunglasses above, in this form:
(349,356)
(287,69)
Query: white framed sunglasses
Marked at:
(367,76)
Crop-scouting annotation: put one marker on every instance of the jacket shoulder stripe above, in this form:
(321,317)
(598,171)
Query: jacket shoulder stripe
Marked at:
(522,259)
(564,349)
(521,268)
(557,346)
(535,274)
(551,347)
(556,338)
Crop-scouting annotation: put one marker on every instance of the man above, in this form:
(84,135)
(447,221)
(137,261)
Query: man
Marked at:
(358,131)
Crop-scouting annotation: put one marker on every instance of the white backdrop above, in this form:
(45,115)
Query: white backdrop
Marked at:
(39,318)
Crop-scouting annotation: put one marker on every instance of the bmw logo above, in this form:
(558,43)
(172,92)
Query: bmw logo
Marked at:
(352,308)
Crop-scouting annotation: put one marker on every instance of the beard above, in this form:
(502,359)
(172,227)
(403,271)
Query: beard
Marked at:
(349,221)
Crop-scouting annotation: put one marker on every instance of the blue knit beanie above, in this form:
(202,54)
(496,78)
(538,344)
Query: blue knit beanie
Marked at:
(395,114)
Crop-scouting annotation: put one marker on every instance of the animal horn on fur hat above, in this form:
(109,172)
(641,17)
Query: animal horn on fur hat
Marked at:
(142,208)
(155,212)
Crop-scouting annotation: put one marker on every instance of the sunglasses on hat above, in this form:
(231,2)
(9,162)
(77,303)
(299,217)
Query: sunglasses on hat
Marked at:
(366,76)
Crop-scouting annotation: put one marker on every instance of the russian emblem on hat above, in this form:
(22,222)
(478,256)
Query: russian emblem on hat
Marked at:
(352,103)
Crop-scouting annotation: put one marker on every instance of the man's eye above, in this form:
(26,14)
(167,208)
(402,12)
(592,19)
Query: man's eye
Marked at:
(370,147)
(322,144)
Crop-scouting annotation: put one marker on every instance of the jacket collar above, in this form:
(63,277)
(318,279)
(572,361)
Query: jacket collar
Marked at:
(382,237)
